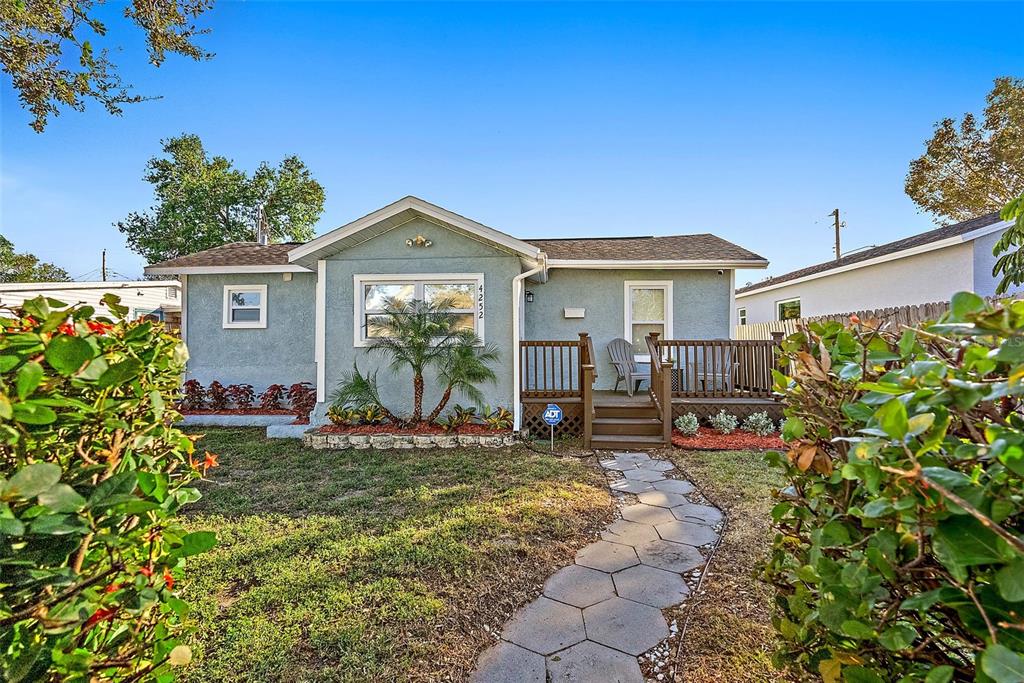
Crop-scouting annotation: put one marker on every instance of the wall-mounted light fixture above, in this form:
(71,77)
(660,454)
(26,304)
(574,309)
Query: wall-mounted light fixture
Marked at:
(529,297)
(419,241)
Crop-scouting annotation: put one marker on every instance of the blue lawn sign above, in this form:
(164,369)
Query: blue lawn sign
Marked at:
(552,416)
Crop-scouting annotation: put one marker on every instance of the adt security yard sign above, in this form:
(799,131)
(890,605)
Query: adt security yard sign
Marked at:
(552,415)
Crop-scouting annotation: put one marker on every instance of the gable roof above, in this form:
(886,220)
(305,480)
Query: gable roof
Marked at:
(395,214)
(933,239)
(692,248)
(237,257)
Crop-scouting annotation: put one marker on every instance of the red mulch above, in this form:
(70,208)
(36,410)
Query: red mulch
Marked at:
(707,439)
(238,411)
(418,429)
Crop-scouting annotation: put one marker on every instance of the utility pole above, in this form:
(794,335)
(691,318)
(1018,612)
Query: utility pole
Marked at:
(103,266)
(835,215)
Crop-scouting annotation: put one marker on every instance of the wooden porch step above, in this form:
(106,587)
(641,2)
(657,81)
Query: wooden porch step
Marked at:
(613,442)
(625,410)
(630,426)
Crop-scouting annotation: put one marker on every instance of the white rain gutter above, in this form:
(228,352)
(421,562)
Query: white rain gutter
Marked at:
(517,334)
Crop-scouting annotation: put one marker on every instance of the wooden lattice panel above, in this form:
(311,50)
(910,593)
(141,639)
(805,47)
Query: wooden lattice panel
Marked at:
(705,409)
(571,424)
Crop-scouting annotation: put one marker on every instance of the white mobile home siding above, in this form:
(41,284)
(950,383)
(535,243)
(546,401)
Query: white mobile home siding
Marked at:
(139,297)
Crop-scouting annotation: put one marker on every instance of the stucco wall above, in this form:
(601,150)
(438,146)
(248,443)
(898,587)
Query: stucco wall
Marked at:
(700,307)
(921,278)
(282,353)
(388,254)
(984,261)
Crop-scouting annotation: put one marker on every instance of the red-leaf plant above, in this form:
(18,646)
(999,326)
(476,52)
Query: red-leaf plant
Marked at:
(193,395)
(218,395)
(242,395)
(302,396)
(271,398)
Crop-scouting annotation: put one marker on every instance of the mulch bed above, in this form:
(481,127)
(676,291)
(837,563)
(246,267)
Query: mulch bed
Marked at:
(238,411)
(707,439)
(419,429)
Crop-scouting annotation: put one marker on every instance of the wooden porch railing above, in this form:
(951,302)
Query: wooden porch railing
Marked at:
(661,384)
(718,368)
(560,369)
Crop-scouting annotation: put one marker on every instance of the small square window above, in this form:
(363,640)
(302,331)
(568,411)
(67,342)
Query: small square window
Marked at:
(245,306)
(788,309)
(741,316)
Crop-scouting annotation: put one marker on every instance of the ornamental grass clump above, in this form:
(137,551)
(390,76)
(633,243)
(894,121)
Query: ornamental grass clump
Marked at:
(759,423)
(92,476)
(723,422)
(687,424)
(899,553)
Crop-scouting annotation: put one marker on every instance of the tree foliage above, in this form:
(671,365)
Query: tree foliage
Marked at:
(15,267)
(91,476)
(417,336)
(47,48)
(1010,264)
(899,555)
(974,168)
(204,202)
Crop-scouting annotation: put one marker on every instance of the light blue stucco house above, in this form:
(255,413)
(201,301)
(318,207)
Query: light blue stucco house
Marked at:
(283,313)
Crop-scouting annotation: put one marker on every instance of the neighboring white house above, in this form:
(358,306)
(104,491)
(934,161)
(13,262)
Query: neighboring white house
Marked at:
(158,298)
(923,268)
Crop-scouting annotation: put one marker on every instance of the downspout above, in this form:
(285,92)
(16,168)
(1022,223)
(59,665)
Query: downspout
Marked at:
(517,334)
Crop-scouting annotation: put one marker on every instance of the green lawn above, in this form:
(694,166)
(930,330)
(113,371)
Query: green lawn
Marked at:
(730,636)
(364,566)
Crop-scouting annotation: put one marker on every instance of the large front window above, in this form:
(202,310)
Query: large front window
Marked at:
(464,292)
(648,309)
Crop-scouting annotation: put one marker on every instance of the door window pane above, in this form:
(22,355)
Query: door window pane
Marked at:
(640,332)
(648,304)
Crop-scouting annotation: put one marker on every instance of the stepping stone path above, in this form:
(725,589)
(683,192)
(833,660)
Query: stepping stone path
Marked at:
(597,616)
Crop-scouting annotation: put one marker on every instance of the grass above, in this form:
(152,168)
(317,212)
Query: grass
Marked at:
(366,566)
(730,636)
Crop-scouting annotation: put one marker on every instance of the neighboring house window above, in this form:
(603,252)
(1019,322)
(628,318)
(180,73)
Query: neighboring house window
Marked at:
(245,306)
(788,309)
(171,292)
(464,290)
(741,315)
(648,309)
(148,314)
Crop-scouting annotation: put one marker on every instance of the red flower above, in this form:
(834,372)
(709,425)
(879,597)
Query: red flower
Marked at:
(209,461)
(67,329)
(97,327)
(102,614)
(146,571)
(855,320)
(113,587)
(168,579)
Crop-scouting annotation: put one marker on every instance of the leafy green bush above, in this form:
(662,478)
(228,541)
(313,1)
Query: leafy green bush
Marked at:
(91,476)
(687,424)
(760,424)
(724,422)
(899,553)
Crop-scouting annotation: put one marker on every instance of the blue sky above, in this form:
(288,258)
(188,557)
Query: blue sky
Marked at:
(752,121)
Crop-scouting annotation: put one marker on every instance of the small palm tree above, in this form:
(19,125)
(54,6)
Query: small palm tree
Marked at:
(419,335)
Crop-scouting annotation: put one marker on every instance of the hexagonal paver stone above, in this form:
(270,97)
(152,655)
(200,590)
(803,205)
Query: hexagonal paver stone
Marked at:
(647,514)
(674,557)
(606,556)
(701,514)
(662,499)
(625,462)
(651,586)
(590,662)
(643,475)
(509,663)
(658,465)
(625,625)
(545,626)
(637,455)
(689,533)
(629,533)
(674,486)
(631,486)
(579,586)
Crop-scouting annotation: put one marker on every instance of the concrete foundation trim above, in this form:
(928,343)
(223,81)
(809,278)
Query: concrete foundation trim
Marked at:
(403,441)
(227,420)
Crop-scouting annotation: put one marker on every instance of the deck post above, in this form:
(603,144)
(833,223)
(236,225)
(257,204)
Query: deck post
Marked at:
(588,403)
(666,401)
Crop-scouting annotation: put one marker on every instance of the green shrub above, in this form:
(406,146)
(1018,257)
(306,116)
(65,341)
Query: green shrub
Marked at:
(687,424)
(91,476)
(899,553)
(723,422)
(760,424)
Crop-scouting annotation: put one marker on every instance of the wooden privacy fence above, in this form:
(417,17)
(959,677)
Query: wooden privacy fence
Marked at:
(910,315)
(719,368)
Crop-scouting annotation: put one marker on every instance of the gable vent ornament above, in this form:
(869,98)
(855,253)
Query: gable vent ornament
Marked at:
(419,241)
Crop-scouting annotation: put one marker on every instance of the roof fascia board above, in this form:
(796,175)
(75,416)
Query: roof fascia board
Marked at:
(427,209)
(222,270)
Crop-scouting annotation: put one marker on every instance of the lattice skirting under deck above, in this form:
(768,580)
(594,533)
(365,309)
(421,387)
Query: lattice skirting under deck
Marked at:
(571,424)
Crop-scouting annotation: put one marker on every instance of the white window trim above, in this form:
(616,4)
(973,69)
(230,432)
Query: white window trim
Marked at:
(627,302)
(741,315)
(247,325)
(787,301)
(359,341)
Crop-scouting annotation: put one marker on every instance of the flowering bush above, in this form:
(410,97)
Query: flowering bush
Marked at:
(302,396)
(724,422)
(687,424)
(92,475)
(241,395)
(193,396)
(760,424)
(899,553)
(270,399)
(218,395)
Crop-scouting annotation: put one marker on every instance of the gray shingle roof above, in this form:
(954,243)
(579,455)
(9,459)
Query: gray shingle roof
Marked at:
(233,254)
(882,250)
(702,247)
